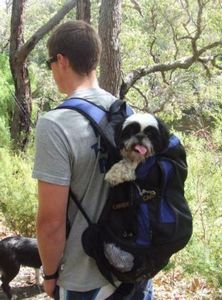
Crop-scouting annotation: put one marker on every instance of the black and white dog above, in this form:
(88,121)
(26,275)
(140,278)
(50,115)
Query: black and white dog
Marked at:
(141,135)
(14,252)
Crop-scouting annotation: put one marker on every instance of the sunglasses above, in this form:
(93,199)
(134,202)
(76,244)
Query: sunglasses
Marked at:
(50,61)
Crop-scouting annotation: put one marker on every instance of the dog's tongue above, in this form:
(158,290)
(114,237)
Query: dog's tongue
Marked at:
(140,149)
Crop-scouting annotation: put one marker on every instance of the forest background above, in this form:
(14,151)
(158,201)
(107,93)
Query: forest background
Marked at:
(164,57)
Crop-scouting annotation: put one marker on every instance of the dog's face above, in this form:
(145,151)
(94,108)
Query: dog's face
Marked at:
(141,136)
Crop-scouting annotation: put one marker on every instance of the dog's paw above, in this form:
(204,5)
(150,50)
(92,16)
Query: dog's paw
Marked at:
(120,172)
(112,179)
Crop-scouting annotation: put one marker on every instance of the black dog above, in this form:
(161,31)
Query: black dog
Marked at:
(14,252)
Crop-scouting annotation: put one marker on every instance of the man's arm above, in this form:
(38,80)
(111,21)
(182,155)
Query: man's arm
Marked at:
(51,228)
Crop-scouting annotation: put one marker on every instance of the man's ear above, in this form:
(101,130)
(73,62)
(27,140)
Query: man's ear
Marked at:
(63,61)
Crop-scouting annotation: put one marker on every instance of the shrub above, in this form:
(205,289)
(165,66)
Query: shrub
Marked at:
(7,100)
(4,132)
(203,192)
(18,195)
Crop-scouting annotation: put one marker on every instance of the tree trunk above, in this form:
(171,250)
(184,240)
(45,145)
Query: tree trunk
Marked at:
(20,127)
(83,10)
(19,51)
(109,29)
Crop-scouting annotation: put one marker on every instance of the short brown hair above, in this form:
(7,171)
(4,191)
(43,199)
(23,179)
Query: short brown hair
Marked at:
(79,42)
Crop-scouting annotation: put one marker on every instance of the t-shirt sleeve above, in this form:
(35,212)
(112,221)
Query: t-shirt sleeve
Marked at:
(53,155)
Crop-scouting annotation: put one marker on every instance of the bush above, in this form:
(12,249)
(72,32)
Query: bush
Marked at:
(18,200)
(4,132)
(7,100)
(203,192)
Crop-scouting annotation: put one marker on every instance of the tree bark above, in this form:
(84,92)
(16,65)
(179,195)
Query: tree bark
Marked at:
(109,29)
(83,10)
(19,51)
(21,120)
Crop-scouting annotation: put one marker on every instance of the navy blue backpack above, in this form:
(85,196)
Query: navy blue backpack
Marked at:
(144,222)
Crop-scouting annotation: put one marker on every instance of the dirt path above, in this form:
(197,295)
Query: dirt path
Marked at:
(166,287)
(24,288)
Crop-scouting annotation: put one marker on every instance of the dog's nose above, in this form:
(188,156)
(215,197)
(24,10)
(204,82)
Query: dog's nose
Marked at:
(140,137)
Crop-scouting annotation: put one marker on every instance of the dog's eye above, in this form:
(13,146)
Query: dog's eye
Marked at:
(131,130)
(151,131)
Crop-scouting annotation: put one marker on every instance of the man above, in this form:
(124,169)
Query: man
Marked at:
(67,155)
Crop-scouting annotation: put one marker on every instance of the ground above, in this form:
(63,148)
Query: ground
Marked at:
(24,288)
(172,285)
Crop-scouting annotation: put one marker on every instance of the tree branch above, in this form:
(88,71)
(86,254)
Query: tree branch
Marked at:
(146,101)
(204,64)
(24,51)
(199,28)
(215,63)
(154,27)
(183,63)
(137,7)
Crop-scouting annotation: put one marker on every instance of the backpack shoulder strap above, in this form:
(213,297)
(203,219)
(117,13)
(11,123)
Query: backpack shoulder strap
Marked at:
(100,118)
(91,111)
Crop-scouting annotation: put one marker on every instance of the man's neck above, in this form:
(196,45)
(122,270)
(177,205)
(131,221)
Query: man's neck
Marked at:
(78,82)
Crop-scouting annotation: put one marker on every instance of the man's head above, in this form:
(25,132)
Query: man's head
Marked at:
(77,41)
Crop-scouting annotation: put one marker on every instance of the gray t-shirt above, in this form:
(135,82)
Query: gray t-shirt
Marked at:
(67,153)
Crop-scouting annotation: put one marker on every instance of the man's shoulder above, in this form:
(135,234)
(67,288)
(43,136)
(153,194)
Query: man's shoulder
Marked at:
(58,118)
(97,96)
(51,115)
